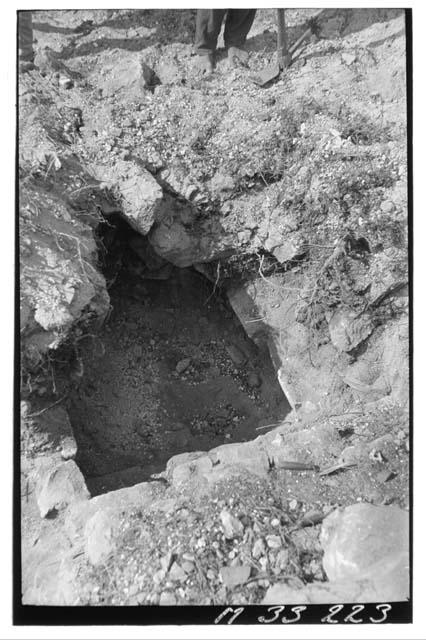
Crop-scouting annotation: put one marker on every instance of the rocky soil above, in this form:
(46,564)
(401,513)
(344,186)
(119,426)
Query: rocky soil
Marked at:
(214,314)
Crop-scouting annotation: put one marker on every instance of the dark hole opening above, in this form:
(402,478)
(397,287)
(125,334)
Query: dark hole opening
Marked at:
(171,370)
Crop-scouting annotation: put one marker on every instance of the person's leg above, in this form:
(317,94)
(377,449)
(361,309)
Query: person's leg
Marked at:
(207,29)
(237,26)
(25,36)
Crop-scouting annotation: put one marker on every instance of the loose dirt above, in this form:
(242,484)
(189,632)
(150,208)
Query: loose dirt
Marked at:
(171,371)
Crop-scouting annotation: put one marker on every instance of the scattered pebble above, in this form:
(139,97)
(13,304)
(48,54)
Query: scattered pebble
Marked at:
(387,206)
(177,573)
(183,365)
(188,567)
(232,576)
(258,549)
(167,599)
(232,527)
(273,542)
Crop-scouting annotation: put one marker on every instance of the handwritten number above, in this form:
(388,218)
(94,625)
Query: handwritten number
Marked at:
(355,609)
(236,613)
(384,608)
(333,611)
(278,610)
(297,611)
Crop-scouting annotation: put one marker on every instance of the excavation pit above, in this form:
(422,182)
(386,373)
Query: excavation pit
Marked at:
(171,371)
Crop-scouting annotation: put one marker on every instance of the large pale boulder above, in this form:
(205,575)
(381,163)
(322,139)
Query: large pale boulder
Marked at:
(141,195)
(58,485)
(99,536)
(367,542)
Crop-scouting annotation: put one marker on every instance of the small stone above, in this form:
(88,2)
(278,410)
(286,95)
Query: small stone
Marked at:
(386,475)
(244,236)
(376,456)
(211,574)
(348,329)
(232,527)
(387,206)
(167,599)
(183,365)
(348,58)
(293,504)
(253,380)
(68,448)
(188,556)
(177,573)
(221,183)
(263,563)
(258,549)
(158,576)
(165,561)
(273,542)
(233,576)
(99,536)
(59,486)
(281,560)
(25,409)
(65,82)
(275,522)
(236,355)
(188,567)
(263,583)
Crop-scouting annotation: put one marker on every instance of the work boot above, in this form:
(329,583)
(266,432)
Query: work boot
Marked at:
(204,64)
(237,57)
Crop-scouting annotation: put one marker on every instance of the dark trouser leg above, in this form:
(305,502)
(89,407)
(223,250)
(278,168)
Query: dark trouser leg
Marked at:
(25,34)
(207,29)
(238,24)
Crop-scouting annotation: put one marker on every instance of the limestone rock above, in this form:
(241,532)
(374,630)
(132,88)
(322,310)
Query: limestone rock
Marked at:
(129,75)
(232,527)
(233,576)
(177,573)
(254,380)
(286,251)
(167,599)
(181,246)
(250,455)
(168,72)
(195,469)
(236,355)
(273,542)
(361,591)
(347,330)
(368,542)
(99,536)
(58,486)
(259,549)
(141,193)
(142,196)
(221,183)
(182,365)
(68,448)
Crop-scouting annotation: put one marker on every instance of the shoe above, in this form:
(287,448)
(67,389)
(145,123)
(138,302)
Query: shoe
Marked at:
(204,64)
(237,57)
